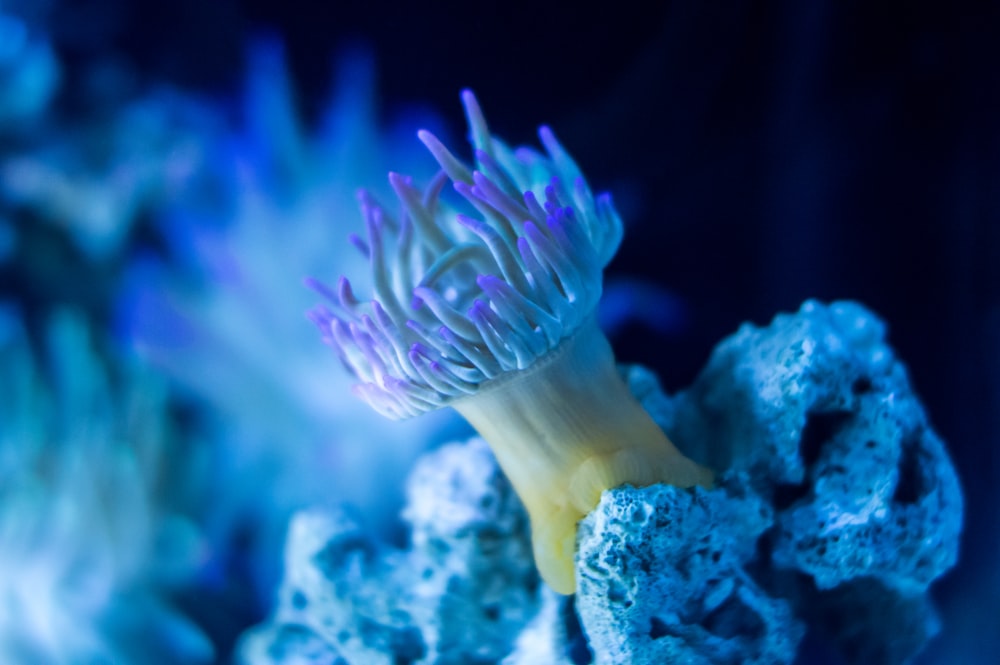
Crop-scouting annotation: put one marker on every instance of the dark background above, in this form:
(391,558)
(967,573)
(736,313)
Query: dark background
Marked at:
(764,153)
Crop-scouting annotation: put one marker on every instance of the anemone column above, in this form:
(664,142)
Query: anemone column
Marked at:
(494,315)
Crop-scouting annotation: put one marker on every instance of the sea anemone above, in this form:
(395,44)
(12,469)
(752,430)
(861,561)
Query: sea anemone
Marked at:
(29,69)
(216,321)
(93,544)
(494,315)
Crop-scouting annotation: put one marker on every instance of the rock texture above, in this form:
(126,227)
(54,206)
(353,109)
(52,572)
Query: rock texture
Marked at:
(836,507)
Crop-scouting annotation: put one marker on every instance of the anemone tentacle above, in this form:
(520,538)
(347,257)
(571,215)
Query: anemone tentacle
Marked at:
(459,300)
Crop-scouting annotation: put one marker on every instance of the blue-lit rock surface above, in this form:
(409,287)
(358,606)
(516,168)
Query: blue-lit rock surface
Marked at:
(662,579)
(461,593)
(868,510)
(835,507)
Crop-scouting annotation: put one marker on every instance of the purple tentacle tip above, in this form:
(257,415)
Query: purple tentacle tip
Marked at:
(359,243)
(487,282)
